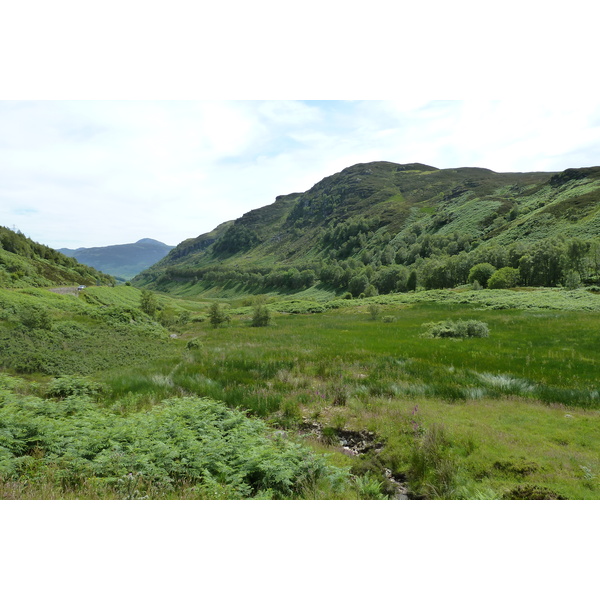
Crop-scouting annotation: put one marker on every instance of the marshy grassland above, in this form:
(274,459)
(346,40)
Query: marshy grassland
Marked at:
(99,400)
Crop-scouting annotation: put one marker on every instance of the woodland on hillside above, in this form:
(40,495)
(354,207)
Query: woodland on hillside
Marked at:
(383,228)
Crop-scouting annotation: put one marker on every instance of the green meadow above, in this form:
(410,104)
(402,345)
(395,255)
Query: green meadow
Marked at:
(170,406)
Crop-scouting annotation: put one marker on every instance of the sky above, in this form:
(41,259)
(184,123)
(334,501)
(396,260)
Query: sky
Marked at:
(86,173)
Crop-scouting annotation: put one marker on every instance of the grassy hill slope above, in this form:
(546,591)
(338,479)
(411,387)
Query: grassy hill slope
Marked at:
(24,262)
(370,217)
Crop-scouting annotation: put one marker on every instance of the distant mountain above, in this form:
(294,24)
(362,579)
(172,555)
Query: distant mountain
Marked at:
(25,263)
(378,227)
(123,260)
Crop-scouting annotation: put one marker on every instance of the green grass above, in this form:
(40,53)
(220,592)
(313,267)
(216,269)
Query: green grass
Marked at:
(514,414)
(342,365)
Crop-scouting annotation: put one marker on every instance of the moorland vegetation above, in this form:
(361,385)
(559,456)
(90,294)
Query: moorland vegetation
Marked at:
(253,377)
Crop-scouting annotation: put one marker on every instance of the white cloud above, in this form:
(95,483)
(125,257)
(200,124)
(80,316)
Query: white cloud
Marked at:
(97,173)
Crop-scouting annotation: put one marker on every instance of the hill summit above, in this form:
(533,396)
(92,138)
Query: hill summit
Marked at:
(122,260)
(368,228)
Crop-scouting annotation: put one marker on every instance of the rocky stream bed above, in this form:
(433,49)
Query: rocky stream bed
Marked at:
(355,443)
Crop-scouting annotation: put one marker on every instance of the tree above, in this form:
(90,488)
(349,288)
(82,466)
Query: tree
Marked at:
(548,261)
(572,280)
(217,316)
(167,316)
(411,283)
(358,284)
(594,257)
(481,272)
(148,303)
(435,274)
(391,279)
(371,291)
(577,251)
(504,278)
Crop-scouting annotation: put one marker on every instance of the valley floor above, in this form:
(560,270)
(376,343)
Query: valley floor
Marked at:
(338,399)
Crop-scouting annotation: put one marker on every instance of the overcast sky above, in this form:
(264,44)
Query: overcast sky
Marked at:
(95,173)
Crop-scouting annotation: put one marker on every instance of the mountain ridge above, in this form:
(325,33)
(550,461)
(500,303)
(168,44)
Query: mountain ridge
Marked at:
(121,260)
(383,214)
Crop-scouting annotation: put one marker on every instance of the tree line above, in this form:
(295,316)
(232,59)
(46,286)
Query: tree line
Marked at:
(416,259)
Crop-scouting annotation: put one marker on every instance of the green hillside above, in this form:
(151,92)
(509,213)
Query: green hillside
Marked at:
(24,262)
(383,227)
(122,260)
(123,393)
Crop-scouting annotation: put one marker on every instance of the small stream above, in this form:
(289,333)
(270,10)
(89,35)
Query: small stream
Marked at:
(355,443)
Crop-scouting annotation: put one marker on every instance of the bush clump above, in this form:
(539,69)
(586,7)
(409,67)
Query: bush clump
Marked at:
(532,492)
(33,317)
(456,329)
(64,387)
(193,443)
(194,344)
(261,316)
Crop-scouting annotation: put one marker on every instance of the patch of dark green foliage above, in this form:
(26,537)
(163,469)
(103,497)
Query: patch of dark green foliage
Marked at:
(214,451)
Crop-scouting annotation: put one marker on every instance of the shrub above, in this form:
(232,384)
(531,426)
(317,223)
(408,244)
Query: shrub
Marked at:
(368,487)
(167,317)
(456,329)
(370,291)
(572,280)
(182,442)
(261,316)
(194,344)
(34,317)
(433,470)
(63,387)
(374,310)
(184,317)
